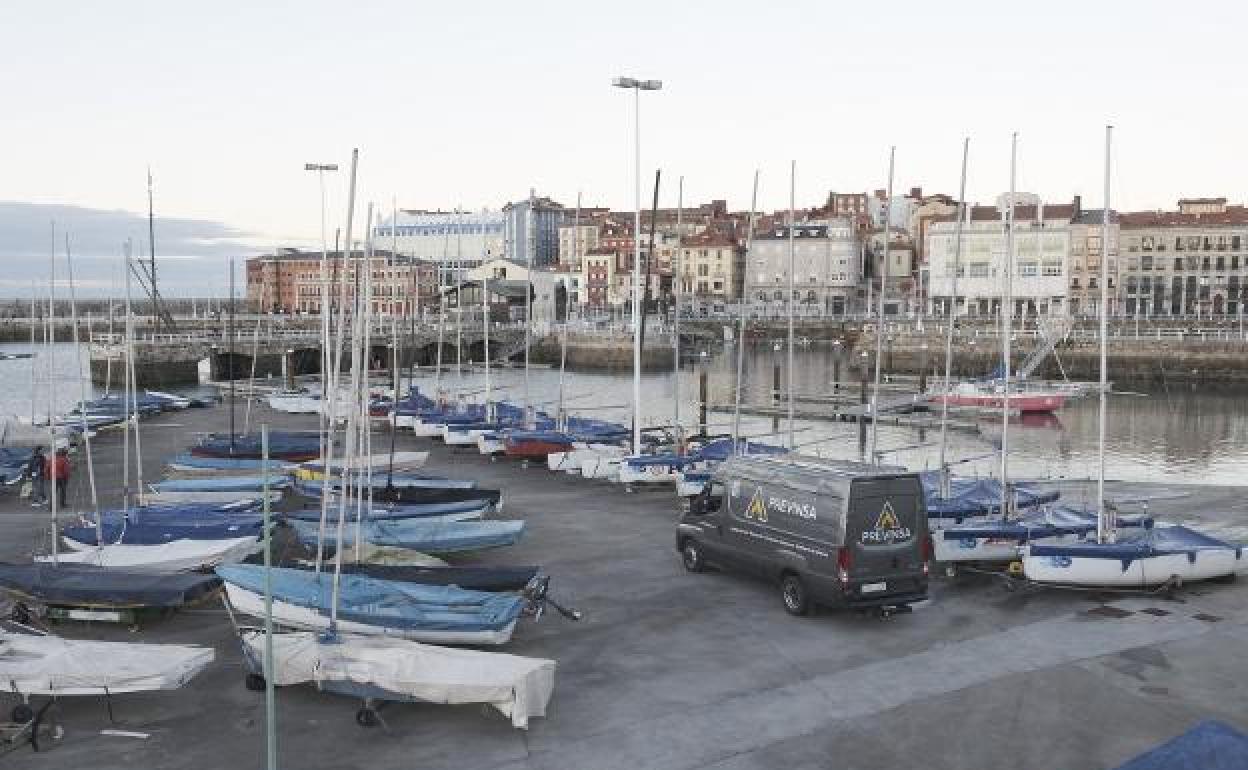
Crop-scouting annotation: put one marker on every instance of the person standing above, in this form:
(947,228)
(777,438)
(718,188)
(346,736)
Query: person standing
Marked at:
(35,470)
(58,469)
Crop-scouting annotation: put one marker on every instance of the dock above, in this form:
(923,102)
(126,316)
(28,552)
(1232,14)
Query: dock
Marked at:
(698,671)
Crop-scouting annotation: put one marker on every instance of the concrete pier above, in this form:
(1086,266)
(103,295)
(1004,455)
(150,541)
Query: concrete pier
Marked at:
(682,671)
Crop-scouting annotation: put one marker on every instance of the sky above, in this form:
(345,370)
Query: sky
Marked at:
(473,104)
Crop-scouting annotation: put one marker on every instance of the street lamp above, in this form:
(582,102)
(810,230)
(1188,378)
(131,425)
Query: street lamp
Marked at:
(637,86)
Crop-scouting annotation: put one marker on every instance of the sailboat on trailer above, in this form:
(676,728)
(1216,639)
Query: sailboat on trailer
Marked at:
(1143,558)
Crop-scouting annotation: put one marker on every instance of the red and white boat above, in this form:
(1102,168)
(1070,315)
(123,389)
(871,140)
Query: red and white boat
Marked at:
(990,395)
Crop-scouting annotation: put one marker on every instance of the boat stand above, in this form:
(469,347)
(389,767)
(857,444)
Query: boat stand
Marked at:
(1167,590)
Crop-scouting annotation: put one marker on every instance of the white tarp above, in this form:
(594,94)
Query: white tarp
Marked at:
(49,665)
(518,687)
(173,556)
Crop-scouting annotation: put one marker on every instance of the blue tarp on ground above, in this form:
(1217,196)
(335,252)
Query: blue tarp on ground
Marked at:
(222,484)
(978,497)
(384,603)
(424,536)
(1210,745)
(1142,543)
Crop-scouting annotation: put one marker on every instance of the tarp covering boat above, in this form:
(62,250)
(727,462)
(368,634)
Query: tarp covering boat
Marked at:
(83,585)
(471,578)
(49,665)
(721,449)
(222,484)
(425,536)
(173,556)
(186,461)
(367,605)
(133,533)
(394,669)
(400,461)
(1210,745)
(978,497)
(1139,558)
(168,499)
(416,511)
(282,446)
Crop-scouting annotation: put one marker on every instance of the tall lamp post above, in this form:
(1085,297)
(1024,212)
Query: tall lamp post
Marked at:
(637,86)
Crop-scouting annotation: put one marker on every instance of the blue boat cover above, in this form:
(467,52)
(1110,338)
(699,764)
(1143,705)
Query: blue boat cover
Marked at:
(222,484)
(424,536)
(1141,543)
(382,512)
(1210,745)
(84,585)
(384,603)
(154,533)
(1037,523)
(978,497)
(721,449)
(227,463)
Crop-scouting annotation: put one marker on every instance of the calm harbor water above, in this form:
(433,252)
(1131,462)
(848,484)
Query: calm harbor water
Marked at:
(1181,436)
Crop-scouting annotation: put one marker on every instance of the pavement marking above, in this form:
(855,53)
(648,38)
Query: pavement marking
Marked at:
(746,723)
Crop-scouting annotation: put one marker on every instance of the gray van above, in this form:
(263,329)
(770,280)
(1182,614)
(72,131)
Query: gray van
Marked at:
(831,533)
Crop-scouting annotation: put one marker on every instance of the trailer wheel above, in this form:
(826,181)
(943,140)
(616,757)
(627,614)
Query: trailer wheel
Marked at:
(691,556)
(793,592)
(366,717)
(255,682)
(22,713)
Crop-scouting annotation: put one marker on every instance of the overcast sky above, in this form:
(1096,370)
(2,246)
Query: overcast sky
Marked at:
(473,103)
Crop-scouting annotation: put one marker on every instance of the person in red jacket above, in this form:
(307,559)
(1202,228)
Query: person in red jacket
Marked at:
(57,469)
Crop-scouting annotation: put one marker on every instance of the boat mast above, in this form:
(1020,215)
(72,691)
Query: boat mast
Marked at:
(125,391)
(1007,310)
(82,394)
(485,324)
(459,291)
(437,372)
(792,286)
(364,397)
(230,334)
(50,340)
(950,315)
(331,407)
(255,354)
(1104,524)
(678,277)
(529,245)
(879,318)
(33,368)
(742,312)
(562,419)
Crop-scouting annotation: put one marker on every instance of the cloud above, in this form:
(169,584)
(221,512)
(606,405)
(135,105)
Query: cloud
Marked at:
(191,254)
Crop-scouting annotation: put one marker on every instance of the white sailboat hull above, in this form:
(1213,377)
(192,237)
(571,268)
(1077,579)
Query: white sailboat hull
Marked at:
(394,669)
(456,437)
(1144,572)
(49,665)
(309,619)
(427,429)
(295,404)
(601,466)
(490,446)
(173,556)
(650,474)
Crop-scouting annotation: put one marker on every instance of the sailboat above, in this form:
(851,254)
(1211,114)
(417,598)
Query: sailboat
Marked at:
(1144,558)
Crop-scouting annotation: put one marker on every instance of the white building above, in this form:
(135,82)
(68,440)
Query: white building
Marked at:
(542,281)
(826,269)
(1042,244)
(452,239)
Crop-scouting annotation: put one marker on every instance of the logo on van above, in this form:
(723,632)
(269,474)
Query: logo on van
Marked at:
(887,529)
(757,509)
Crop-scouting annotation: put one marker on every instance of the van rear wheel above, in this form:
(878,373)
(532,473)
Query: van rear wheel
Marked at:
(793,592)
(691,556)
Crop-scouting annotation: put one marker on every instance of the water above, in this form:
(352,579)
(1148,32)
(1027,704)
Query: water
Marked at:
(1189,437)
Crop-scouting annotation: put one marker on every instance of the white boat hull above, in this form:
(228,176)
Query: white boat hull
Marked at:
(490,446)
(427,429)
(601,466)
(455,437)
(649,474)
(308,619)
(295,404)
(1145,572)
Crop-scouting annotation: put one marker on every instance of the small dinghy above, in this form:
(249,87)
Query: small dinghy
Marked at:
(222,484)
(173,556)
(653,469)
(434,614)
(33,664)
(189,463)
(149,533)
(169,499)
(993,539)
(460,511)
(436,537)
(535,444)
(1143,558)
(384,669)
(470,578)
(399,461)
(977,497)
